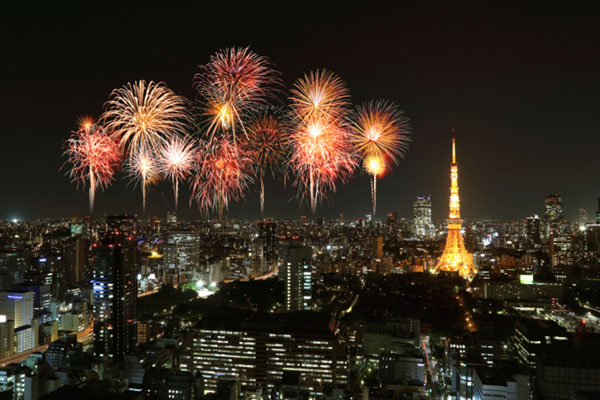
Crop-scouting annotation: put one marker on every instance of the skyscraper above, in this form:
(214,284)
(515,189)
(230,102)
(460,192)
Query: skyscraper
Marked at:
(392,223)
(422,225)
(455,257)
(182,250)
(267,234)
(115,295)
(598,212)
(297,270)
(532,231)
(553,212)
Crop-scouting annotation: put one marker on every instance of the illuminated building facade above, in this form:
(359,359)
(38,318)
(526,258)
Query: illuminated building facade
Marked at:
(297,274)
(182,250)
(257,349)
(532,232)
(267,234)
(455,257)
(422,226)
(115,295)
(553,212)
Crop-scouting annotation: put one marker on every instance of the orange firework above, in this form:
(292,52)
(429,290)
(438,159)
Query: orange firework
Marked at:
(268,142)
(233,83)
(222,173)
(321,152)
(320,94)
(94,156)
(145,115)
(380,132)
(176,158)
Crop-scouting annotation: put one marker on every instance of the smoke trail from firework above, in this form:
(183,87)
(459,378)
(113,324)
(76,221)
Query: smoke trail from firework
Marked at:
(232,84)
(268,142)
(143,168)
(175,160)
(321,151)
(145,115)
(94,156)
(380,134)
(222,173)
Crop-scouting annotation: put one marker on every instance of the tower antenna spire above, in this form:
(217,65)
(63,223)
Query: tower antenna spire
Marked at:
(453,148)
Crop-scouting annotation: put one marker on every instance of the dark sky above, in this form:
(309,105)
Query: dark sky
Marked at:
(519,83)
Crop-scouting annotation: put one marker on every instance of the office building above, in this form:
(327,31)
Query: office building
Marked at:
(17,306)
(7,337)
(297,274)
(392,223)
(564,369)
(257,349)
(531,334)
(267,234)
(553,212)
(182,250)
(115,295)
(532,231)
(422,225)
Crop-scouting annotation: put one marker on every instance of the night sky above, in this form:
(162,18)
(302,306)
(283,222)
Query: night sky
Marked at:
(519,84)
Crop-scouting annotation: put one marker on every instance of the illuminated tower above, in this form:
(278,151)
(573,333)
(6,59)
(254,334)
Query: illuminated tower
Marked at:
(455,257)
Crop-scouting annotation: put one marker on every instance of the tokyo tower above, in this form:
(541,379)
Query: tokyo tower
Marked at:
(455,257)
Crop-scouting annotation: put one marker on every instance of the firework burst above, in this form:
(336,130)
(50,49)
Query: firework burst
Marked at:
(176,158)
(380,134)
(321,152)
(320,94)
(94,156)
(268,134)
(144,168)
(222,173)
(145,115)
(232,84)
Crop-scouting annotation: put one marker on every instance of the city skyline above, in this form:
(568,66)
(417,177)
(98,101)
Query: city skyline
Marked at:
(510,109)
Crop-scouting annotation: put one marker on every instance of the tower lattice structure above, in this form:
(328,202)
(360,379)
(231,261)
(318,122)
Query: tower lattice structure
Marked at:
(455,258)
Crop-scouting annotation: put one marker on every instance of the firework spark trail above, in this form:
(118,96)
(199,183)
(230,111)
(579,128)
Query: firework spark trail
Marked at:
(143,168)
(94,156)
(222,173)
(145,115)
(380,135)
(268,134)
(176,159)
(321,152)
(235,82)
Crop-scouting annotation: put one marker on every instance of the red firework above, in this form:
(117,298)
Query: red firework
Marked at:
(322,153)
(94,156)
(233,83)
(223,171)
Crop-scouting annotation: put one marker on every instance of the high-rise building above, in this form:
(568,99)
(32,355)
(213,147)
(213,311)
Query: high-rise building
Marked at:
(455,257)
(582,217)
(76,258)
(422,225)
(7,337)
(392,223)
(297,273)
(115,295)
(532,231)
(182,250)
(598,212)
(17,306)
(553,212)
(267,234)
